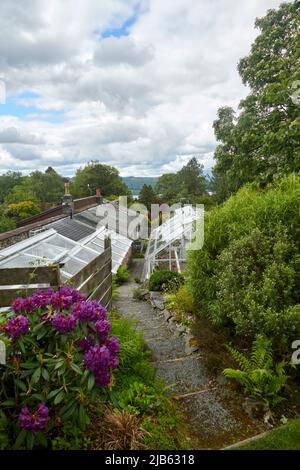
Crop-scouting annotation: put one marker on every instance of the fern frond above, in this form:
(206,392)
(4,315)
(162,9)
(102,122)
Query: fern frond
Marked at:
(240,359)
(262,352)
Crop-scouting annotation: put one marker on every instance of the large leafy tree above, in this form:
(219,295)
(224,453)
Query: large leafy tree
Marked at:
(7,182)
(185,185)
(97,175)
(22,192)
(48,186)
(191,179)
(263,141)
(147,196)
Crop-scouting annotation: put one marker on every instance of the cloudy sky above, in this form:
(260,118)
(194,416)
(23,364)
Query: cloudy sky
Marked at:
(135,84)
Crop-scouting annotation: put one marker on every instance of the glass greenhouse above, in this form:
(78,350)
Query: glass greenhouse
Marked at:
(168,242)
(50,247)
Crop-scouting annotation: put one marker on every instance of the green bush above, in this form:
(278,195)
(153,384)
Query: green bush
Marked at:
(122,275)
(6,224)
(165,280)
(247,274)
(259,376)
(136,294)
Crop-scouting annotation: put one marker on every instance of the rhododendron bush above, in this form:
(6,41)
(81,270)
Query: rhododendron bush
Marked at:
(59,361)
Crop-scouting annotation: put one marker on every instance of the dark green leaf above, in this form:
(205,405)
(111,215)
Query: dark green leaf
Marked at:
(36,375)
(59,397)
(41,438)
(53,393)
(29,440)
(8,403)
(45,374)
(20,439)
(59,364)
(91,382)
(21,385)
(76,368)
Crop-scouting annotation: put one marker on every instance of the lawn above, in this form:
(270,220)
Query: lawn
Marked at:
(284,438)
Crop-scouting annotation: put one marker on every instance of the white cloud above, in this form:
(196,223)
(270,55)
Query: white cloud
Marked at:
(144,102)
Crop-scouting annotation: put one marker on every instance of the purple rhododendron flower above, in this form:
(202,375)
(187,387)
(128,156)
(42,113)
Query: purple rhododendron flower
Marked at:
(102,328)
(34,421)
(64,323)
(19,305)
(42,298)
(114,362)
(97,360)
(17,326)
(85,343)
(113,345)
(89,311)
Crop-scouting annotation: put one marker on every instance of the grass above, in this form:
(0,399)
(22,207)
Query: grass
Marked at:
(286,437)
(139,413)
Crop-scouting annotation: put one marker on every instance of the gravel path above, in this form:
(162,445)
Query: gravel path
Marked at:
(210,412)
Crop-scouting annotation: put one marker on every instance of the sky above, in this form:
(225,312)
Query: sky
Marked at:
(133,84)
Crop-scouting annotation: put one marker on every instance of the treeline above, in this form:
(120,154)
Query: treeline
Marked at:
(23,196)
(187,186)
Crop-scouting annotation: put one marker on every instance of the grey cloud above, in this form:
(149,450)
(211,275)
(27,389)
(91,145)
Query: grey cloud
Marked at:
(12,135)
(123,50)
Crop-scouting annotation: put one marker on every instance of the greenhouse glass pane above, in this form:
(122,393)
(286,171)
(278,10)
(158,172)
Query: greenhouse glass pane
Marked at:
(66,243)
(22,261)
(85,255)
(73,266)
(45,250)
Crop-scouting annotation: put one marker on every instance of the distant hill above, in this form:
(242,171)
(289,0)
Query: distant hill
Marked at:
(135,183)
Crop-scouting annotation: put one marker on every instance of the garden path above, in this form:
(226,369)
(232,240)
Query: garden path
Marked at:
(212,417)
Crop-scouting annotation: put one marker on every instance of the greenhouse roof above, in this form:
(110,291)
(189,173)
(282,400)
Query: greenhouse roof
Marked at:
(50,247)
(176,227)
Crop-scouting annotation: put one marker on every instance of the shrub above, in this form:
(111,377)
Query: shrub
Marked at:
(122,275)
(137,295)
(6,224)
(259,376)
(22,210)
(182,300)
(59,358)
(257,283)
(165,280)
(137,279)
(138,255)
(247,274)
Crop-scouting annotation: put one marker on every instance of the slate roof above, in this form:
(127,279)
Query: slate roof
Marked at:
(71,228)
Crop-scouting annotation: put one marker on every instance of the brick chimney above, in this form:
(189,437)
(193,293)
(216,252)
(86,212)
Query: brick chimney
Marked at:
(99,198)
(67,204)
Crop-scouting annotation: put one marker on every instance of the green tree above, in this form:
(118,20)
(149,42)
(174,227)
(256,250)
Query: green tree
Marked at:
(187,184)
(21,192)
(6,223)
(263,142)
(96,175)
(48,186)
(191,180)
(147,196)
(167,186)
(7,182)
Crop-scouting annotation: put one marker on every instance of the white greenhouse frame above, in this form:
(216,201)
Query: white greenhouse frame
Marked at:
(172,236)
